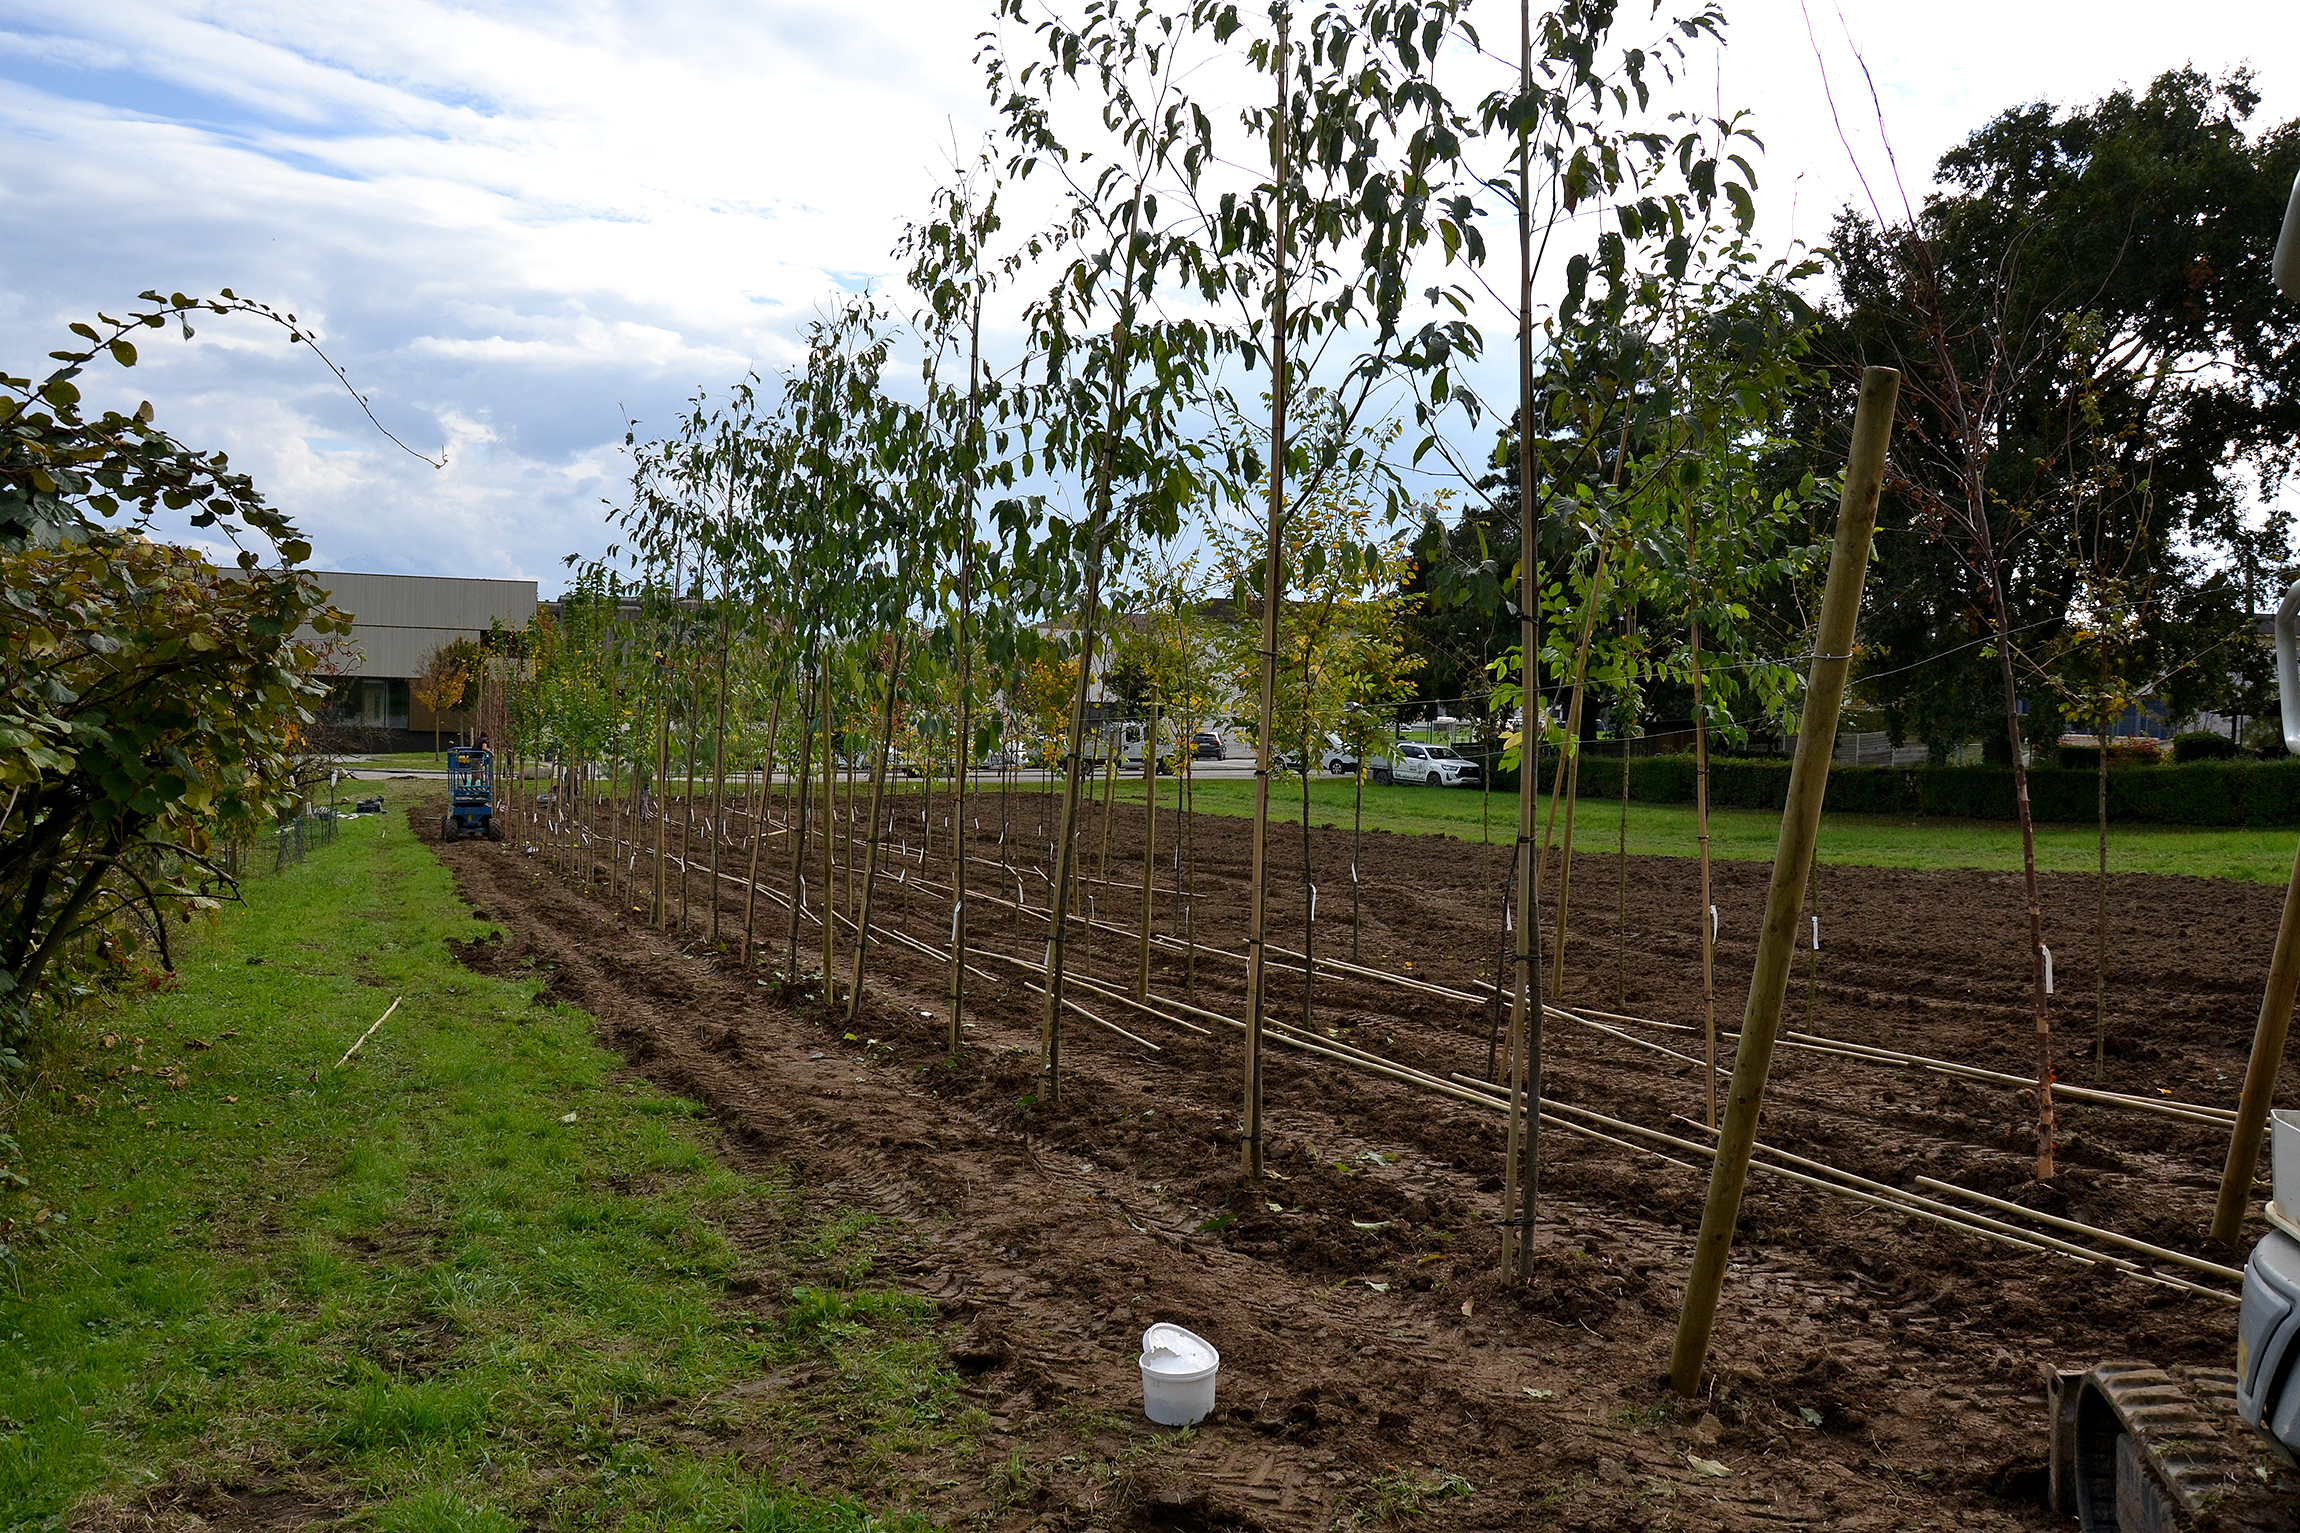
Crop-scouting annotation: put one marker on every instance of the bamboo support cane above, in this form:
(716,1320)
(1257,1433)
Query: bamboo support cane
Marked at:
(1800,824)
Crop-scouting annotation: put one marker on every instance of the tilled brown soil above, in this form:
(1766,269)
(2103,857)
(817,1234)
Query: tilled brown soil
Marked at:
(1869,1370)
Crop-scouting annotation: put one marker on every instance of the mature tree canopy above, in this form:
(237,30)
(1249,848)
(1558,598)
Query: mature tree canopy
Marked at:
(2095,283)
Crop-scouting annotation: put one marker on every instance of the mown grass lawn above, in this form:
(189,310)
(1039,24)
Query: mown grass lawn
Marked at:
(400,761)
(1748,835)
(473,1281)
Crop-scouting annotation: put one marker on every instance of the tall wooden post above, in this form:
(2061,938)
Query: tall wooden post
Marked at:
(1793,857)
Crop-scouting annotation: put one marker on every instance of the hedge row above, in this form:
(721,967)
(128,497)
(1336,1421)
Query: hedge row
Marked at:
(2223,793)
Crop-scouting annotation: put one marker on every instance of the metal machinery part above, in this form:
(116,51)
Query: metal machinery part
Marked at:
(470,794)
(2268,1338)
(2140,1449)
(2286,268)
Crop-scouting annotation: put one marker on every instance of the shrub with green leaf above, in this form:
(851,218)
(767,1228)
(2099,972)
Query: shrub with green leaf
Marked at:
(149,702)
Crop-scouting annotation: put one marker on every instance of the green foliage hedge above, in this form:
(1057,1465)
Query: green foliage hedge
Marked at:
(2086,758)
(2220,793)
(2204,745)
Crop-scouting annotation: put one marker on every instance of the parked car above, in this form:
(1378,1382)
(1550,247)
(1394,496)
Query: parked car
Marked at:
(1433,766)
(1207,746)
(1339,759)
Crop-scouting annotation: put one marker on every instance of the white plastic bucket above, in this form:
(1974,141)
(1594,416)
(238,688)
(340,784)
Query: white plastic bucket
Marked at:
(1178,1372)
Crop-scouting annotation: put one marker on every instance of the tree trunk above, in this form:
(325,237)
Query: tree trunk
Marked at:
(2100,921)
(1273,585)
(830,896)
(1190,885)
(1567,783)
(965,690)
(1065,858)
(811,683)
(1149,849)
(1701,830)
(870,856)
(1109,794)
(662,811)
(1521,1166)
(1357,845)
(1309,902)
(1813,949)
(759,833)
(1621,876)
(719,779)
(687,804)
(1977,513)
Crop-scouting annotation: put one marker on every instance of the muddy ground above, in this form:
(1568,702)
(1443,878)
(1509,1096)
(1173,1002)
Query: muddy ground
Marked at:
(1869,1370)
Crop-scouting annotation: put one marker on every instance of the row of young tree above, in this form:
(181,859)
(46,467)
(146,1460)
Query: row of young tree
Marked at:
(1222,457)
(2063,532)
(2099,386)
(1236,399)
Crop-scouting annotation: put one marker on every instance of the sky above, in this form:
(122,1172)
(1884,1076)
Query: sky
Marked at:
(520,226)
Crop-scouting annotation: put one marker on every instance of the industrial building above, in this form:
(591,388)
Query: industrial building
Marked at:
(397,622)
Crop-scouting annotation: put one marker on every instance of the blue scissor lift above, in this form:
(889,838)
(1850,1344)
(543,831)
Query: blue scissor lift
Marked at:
(470,794)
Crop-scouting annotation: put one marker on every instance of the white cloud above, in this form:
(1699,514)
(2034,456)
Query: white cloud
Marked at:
(516,223)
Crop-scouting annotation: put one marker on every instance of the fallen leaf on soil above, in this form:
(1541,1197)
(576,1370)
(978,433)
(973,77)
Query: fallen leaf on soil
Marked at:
(1376,1287)
(1378,1224)
(1540,1394)
(1707,1465)
(1468,1306)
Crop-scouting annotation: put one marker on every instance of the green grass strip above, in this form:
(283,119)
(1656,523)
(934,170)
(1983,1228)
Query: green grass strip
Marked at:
(1749,835)
(472,1281)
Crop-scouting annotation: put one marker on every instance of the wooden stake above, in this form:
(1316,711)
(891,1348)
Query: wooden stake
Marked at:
(1800,825)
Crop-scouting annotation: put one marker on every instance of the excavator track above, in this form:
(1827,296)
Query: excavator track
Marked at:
(2141,1449)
